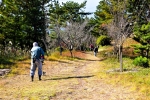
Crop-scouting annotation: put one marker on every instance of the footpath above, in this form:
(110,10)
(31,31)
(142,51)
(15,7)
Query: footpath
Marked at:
(65,80)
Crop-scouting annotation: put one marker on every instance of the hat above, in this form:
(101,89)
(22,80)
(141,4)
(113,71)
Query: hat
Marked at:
(35,44)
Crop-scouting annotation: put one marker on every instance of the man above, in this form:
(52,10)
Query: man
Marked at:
(96,50)
(36,54)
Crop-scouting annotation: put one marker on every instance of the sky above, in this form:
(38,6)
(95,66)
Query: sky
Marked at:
(90,4)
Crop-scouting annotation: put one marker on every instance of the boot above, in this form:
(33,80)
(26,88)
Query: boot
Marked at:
(40,78)
(32,77)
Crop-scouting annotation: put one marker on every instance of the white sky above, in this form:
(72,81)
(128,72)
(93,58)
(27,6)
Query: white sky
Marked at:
(90,4)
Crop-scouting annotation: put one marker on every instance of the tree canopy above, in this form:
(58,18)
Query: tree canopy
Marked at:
(23,22)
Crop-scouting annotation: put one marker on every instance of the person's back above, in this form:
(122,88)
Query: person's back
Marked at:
(91,47)
(95,51)
(36,53)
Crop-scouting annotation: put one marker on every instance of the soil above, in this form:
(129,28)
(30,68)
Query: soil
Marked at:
(65,80)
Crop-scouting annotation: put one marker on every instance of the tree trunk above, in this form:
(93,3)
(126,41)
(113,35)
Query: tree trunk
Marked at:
(71,53)
(116,51)
(120,58)
(61,49)
(70,49)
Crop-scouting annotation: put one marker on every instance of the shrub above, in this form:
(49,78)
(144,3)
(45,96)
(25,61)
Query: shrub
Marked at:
(2,66)
(58,49)
(141,61)
(103,40)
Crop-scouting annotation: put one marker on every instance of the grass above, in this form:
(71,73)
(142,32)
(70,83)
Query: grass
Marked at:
(55,56)
(40,92)
(136,77)
(33,91)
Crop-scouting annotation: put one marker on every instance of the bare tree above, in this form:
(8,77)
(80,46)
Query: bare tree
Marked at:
(120,33)
(120,29)
(122,24)
(73,35)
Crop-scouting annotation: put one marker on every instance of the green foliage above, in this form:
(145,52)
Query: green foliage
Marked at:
(58,49)
(53,35)
(142,33)
(23,20)
(103,12)
(103,40)
(102,17)
(73,11)
(61,14)
(2,67)
(5,60)
(1,38)
(141,61)
(138,8)
(140,49)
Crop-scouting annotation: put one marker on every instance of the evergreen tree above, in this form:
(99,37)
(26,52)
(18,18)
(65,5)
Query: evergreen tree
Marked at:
(23,22)
(63,15)
(10,22)
(102,16)
(142,34)
(138,8)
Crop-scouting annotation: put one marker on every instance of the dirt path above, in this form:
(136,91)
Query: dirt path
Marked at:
(65,80)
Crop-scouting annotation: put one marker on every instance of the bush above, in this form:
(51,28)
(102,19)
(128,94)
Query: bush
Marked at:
(103,40)
(141,61)
(58,49)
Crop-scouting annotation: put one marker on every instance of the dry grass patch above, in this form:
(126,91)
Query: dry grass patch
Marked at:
(66,55)
(82,77)
(136,78)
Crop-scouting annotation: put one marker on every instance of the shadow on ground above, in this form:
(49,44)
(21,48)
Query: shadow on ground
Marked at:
(59,61)
(69,77)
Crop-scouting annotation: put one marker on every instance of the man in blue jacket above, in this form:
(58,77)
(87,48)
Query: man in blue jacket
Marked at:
(36,54)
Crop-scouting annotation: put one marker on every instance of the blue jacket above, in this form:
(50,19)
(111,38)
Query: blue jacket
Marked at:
(36,52)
